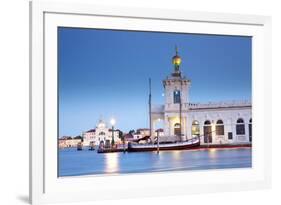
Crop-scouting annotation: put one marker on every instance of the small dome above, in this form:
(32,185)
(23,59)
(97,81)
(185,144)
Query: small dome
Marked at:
(101,124)
(176,60)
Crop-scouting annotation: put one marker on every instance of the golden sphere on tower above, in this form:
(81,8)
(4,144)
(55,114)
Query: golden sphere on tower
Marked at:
(176,60)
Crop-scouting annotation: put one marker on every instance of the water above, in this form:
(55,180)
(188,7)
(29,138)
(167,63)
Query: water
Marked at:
(74,163)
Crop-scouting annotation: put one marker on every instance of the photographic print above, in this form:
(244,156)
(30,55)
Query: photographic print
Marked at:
(143,102)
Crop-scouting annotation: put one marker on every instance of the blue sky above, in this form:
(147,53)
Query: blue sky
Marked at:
(104,73)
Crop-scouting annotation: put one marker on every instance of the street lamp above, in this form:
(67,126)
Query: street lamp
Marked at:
(112,122)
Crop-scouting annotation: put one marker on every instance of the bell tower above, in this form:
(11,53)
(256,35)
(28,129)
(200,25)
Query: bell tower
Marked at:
(176,88)
(176,85)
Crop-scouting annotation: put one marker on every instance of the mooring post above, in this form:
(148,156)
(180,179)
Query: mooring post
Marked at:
(157,141)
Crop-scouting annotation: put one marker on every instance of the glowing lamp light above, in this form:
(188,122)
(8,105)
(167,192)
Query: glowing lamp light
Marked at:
(112,121)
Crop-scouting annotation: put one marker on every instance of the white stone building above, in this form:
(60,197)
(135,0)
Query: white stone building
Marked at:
(101,133)
(214,123)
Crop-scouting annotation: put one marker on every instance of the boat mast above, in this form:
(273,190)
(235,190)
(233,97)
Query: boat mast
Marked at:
(149,104)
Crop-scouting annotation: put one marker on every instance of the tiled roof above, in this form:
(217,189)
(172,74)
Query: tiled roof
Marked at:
(142,129)
(91,130)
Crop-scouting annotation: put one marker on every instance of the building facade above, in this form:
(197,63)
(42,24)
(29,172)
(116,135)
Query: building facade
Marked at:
(101,133)
(214,123)
(65,142)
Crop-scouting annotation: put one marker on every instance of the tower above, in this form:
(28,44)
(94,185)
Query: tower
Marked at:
(176,88)
(176,85)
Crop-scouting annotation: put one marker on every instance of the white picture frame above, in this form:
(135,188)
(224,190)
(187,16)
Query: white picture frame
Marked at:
(46,187)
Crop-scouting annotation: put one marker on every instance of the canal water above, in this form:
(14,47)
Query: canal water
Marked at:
(75,163)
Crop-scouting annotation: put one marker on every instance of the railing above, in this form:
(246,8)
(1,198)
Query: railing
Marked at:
(220,104)
(225,104)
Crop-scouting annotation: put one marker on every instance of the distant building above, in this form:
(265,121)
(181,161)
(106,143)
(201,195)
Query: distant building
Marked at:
(101,133)
(67,141)
(129,137)
(141,133)
(160,131)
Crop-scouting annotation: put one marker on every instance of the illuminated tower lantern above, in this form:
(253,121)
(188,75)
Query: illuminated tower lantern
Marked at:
(176,89)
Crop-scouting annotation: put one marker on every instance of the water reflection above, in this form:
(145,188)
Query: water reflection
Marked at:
(72,162)
(176,155)
(111,162)
(213,153)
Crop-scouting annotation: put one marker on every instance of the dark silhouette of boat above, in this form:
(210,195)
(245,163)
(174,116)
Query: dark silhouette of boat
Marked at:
(108,149)
(92,146)
(79,146)
(184,145)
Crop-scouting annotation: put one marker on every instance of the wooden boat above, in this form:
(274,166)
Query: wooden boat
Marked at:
(190,144)
(110,150)
(104,149)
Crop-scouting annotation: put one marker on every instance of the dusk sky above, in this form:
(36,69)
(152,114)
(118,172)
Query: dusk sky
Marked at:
(104,73)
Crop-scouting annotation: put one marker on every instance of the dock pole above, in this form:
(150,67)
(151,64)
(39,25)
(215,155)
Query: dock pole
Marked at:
(157,141)
(150,119)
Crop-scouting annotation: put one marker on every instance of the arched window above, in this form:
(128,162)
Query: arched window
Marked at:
(195,129)
(102,133)
(177,129)
(177,96)
(207,122)
(219,128)
(207,132)
(240,127)
(250,130)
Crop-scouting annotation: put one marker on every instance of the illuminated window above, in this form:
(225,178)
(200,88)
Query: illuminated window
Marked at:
(219,128)
(195,130)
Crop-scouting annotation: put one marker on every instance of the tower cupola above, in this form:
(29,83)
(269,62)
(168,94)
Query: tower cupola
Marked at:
(176,60)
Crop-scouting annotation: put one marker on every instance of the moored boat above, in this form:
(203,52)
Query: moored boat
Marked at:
(79,146)
(92,146)
(189,144)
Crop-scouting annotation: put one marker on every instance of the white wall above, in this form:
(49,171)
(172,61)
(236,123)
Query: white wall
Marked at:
(14,100)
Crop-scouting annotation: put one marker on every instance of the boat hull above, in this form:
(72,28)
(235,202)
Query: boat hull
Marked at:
(170,146)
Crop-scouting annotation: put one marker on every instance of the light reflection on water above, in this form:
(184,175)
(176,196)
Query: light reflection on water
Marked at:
(112,162)
(73,162)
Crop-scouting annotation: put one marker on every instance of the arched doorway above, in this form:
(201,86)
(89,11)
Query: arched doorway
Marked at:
(195,129)
(177,129)
(250,130)
(207,132)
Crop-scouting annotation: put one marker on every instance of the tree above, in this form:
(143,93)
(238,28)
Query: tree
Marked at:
(131,132)
(121,136)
